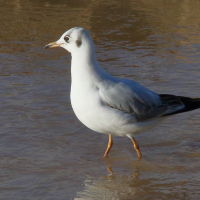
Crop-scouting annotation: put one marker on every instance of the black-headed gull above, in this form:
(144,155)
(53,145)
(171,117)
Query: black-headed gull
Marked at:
(111,105)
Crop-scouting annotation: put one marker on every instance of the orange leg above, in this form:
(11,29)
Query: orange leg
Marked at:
(136,146)
(110,143)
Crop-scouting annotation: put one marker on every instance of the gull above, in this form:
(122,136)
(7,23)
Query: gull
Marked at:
(111,105)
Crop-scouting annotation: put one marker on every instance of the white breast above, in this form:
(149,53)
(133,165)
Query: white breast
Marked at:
(89,109)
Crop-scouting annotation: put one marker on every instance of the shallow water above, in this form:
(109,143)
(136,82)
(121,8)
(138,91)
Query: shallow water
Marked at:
(45,152)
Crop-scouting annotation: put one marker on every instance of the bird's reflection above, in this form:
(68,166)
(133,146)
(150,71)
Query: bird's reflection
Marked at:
(114,185)
(109,168)
(111,171)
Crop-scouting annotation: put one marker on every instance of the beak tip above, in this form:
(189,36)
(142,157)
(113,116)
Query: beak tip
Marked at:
(52,45)
(46,46)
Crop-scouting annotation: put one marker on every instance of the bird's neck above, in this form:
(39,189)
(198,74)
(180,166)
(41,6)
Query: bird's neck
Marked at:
(84,66)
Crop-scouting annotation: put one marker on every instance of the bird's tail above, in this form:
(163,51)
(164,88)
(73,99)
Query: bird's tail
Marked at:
(189,103)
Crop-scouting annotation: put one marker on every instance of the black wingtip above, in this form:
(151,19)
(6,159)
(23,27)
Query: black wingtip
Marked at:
(189,103)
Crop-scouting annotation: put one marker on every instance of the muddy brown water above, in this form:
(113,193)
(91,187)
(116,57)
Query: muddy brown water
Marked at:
(45,152)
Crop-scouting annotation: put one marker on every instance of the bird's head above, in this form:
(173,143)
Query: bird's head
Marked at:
(72,40)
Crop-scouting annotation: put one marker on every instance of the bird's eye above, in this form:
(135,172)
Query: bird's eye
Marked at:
(66,38)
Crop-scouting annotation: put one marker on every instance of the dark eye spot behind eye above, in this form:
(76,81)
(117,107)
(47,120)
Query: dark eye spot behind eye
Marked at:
(78,42)
(66,38)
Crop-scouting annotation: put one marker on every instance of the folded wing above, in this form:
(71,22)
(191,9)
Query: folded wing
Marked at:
(132,98)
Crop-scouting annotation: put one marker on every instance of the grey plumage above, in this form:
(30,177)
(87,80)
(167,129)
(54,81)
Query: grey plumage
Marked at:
(138,101)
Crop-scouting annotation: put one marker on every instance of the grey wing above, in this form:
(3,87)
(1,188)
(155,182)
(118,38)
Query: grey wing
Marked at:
(134,99)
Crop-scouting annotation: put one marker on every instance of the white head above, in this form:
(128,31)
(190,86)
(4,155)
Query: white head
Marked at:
(74,40)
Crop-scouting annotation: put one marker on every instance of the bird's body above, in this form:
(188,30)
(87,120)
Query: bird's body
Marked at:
(110,105)
(91,108)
